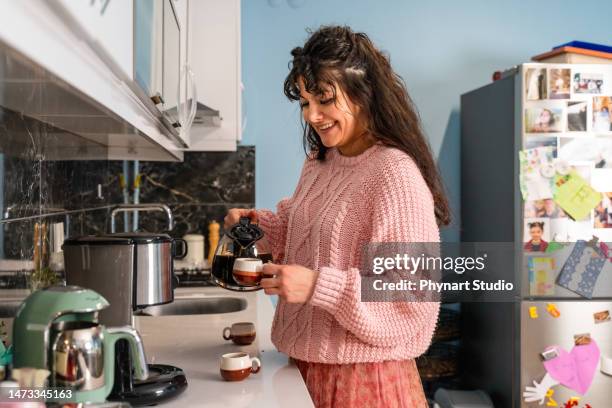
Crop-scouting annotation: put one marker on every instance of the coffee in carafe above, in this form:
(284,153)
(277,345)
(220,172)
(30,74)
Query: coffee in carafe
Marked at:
(241,241)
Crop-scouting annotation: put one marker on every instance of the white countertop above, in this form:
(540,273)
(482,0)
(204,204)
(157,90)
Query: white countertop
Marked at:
(195,343)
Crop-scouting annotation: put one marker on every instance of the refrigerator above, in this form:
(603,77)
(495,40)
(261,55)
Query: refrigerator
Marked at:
(536,171)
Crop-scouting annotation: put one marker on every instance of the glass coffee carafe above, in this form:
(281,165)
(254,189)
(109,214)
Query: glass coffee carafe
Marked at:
(242,240)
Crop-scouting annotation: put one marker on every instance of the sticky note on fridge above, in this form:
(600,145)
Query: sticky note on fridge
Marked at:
(574,195)
(581,269)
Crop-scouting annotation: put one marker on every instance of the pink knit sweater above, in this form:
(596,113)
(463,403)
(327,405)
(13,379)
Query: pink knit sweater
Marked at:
(338,206)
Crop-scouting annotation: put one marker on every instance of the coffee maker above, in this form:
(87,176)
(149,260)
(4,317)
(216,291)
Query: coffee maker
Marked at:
(57,329)
(133,271)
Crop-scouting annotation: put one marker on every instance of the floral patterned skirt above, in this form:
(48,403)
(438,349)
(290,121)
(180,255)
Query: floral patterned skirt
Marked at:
(388,384)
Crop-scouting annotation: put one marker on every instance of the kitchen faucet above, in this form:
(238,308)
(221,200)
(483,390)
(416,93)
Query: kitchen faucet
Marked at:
(142,207)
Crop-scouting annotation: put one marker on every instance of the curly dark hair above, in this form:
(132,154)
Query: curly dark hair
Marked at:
(338,56)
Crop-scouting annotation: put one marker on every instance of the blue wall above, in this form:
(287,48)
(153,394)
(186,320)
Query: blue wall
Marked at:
(441,48)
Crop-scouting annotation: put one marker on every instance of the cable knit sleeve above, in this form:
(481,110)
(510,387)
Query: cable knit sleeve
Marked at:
(402,210)
(274,225)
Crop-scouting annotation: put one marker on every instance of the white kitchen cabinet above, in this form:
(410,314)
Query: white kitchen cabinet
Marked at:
(110,23)
(214,56)
(58,68)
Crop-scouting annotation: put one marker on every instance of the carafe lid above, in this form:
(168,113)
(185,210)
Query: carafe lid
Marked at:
(245,233)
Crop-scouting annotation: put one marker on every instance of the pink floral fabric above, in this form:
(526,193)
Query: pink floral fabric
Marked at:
(387,384)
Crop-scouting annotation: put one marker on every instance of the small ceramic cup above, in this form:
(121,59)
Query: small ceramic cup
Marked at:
(242,333)
(248,271)
(238,366)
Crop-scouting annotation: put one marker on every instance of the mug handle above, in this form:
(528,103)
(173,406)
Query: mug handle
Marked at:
(255,362)
(183,244)
(229,335)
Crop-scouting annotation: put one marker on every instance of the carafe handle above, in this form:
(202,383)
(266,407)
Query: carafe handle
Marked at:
(139,361)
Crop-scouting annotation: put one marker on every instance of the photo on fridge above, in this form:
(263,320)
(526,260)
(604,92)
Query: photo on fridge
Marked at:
(543,120)
(588,83)
(597,150)
(577,116)
(559,83)
(602,114)
(541,141)
(603,212)
(543,208)
(535,84)
(537,234)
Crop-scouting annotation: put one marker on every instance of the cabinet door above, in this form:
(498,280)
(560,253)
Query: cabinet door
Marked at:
(148,45)
(110,24)
(214,51)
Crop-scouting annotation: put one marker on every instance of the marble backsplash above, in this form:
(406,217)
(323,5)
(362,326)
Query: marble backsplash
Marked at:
(81,193)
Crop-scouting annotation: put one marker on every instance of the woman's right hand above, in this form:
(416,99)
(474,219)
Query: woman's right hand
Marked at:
(234,214)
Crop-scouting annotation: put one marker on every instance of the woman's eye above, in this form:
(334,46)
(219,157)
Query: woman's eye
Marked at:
(326,101)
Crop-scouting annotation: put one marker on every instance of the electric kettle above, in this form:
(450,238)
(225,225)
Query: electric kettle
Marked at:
(57,329)
(242,240)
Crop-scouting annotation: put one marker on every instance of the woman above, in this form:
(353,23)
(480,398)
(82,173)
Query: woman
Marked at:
(369,177)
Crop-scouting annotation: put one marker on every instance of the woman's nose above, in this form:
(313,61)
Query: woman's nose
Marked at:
(313,114)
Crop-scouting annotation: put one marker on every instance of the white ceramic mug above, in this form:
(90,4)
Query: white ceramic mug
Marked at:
(195,252)
(248,271)
(238,366)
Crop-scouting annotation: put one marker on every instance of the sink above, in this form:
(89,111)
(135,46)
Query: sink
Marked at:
(9,309)
(196,306)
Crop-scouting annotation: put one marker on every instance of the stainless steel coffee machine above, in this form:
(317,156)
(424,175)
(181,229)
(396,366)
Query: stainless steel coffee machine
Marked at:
(132,271)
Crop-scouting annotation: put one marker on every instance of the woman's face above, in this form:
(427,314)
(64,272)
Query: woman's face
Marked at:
(337,122)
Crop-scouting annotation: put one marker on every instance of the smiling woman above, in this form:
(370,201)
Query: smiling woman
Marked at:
(369,176)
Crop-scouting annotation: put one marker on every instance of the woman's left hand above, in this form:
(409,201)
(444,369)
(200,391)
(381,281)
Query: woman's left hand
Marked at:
(293,283)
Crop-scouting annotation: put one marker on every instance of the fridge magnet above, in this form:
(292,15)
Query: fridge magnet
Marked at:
(533,312)
(552,310)
(537,234)
(535,84)
(582,339)
(534,185)
(603,212)
(543,120)
(541,276)
(602,114)
(577,116)
(543,208)
(587,83)
(581,269)
(550,402)
(572,402)
(595,150)
(559,83)
(574,195)
(602,317)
